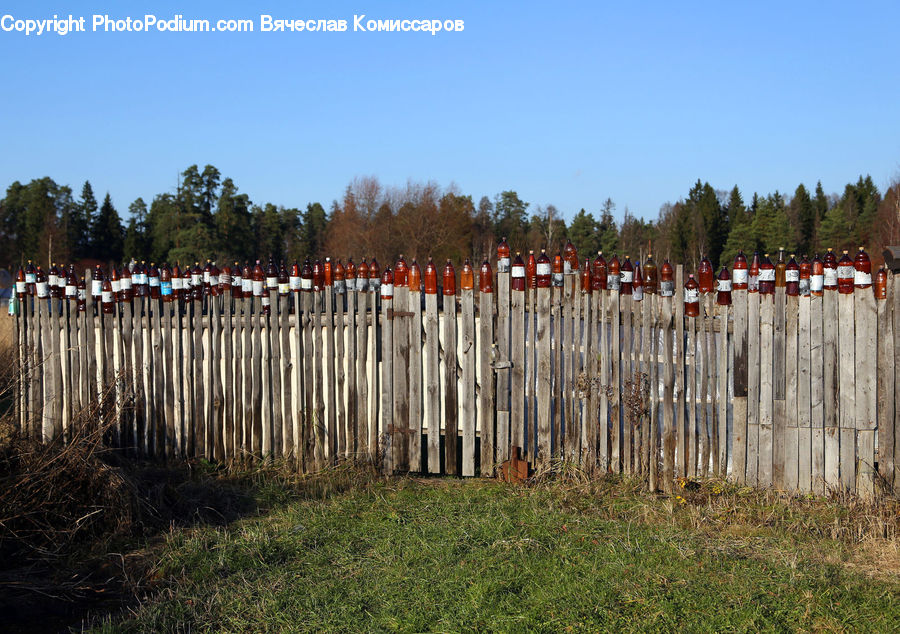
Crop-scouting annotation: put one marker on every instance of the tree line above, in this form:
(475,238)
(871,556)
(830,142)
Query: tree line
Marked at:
(208,217)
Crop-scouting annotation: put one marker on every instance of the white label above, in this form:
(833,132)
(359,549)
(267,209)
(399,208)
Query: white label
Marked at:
(53,280)
(350,284)
(237,281)
(691,295)
(804,287)
(177,284)
(30,278)
(284,289)
(387,291)
(195,279)
(666,288)
(265,300)
(305,284)
(81,295)
(206,277)
(116,286)
(247,285)
(374,283)
(257,288)
(61,281)
(612,282)
(557,279)
(503,265)
(845,272)
(294,282)
(791,275)
(816,283)
(627,277)
(724,286)
(862,279)
(213,280)
(154,281)
(225,279)
(271,282)
(126,283)
(518,271)
(740,276)
(753,283)
(107,297)
(96,288)
(638,293)
(567,267)
(831,277)
(20,287)
(71,291)
(543,268)
(767,275)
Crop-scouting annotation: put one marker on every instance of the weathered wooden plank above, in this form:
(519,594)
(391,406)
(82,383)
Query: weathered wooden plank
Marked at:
(66,399)
(486,422)
(681,452)
(643,308)
(402,380)
(591,441)
(652,302)
(694,331)
(847,390)
(386,438)
(517,379)
(374,375)
(328,360)
(198,386)
(832,390)
(779,404)
(450,388)
(791,452)
(615,381)
(531,370)
(172,378)
(503,366)
(739,404)
(865,373)
(415,376)
(816,396)
(753,387)
(668,432)
(362,368)
(288,440)
(322,431)
(706,417)
(432,383)
(720,392)
(566,434)
(766,389)
(354,439)
(157,390)
(244,444)
(587,419)
(109,384)
(255,444)
(895,300)
(467,334)
(543,386)
(886,402)
(340,379)
(804,396)
(627,378)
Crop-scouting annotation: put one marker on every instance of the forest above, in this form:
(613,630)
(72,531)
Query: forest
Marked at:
(208,217)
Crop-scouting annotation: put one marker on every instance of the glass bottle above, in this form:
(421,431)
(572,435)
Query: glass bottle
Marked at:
(518,279)
(626,277)
(637,284)
(792,277)
(845,274)
(503,261)
(414,277)
(449,279)
(651,275)
(387,284)
(543,271)
(486,277)
(691,297)
(613,274)
(766,276)
(817,277)
(666,279)
(830,265)
(599,277)
(739,274)
(805,272)
(467,276)
(862,277)
(705,275)
(723,288)
(429,278)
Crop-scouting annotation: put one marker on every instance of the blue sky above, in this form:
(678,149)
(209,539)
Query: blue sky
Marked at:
(567,103)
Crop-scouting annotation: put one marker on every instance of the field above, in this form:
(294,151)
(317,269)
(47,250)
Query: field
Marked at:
(352,552)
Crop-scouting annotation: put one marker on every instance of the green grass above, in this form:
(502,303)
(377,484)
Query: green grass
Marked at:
(451,555)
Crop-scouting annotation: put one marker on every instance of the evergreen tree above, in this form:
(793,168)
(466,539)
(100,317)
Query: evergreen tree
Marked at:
(607,230)
(772,226)
(137,239)
(741,236)
(107,236)
(802,213)
(232,224)
(510,219)
(584,234)
(313,227)
(84,221)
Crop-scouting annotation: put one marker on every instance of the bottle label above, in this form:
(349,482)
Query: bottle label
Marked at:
(558,280)
(126,283)
(831,276)
(206,277)
(305,284)
(20,287)
(271,282)
(518,272)
(612,282)
(71,291)
(53,280)
(845,272)
(791,276)
(339,287)
(257,288)
(691,295)
(627,277)
(225,279)
(543,268)
(767,275)
(666,288)
(177,284)
(195,279)
(247,286)
(30,278)
(816,283)
(567,267)
(61,281)
(724,286)
(213,280)
(165,288)
(753,283)
(154,281)
(503,265)
(96,288)
(374,284)
(284,289)
(294,282)
(107,297)
(862,279)
(804,287)
(82,296)
(638,293)
(13,307)
(237,281)
(116,286)
(265,300)
(387,291)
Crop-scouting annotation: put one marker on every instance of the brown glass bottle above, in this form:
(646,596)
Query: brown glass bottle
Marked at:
(543,271)
(862,276)
(614,274)
(637,284)
(805,273)
(503,260)
(319,275)
(845,274)
(570,256)
(401,273)
(817,277)
(626,277)
(651,275)
(82,296)
(350,275)
(21,284)
(107,297)
(879,285)
(340,285)
(705,275)
(558,271)
(387,285)
(306,275)
(518,278)
(294,277)
(766,276)
(691,297)
(374,276)
(284,281)
(780,267)
(414,277)
(531,271)
(449,280)
(467,276)
(739,273)
(165,284)
(830,266)
(792,277)
(666,279)
(587,282)
(30,278)
(53,281)
(271,275)
(328,272)
(723,288)
(177,282)
(599,276)
(429,278)
(486,277)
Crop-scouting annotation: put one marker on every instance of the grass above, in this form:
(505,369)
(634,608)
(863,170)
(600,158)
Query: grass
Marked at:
(351,552)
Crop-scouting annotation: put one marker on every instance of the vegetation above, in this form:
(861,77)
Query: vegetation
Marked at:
(208,217)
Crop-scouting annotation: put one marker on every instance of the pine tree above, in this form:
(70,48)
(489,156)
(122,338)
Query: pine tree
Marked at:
(313,227)
(232,224)
(107,236)
(803,217)
(584,234)
(137,239)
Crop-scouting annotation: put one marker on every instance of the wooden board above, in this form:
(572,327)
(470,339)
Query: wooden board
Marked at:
(544,387)
(652,302)
(615,382)
(816,396)
(340,376)
(804,395)
(451,405)
(721,391)
(432,383)
(386,437)
(469,402)
(604,349)
(486,422)
(681,450)
(354,439)
(753,387)
(503,366)
(895,287)
(401,378)
(831,401)
(287,383)
(847,391)
(587,420)
(791,446)
(517,375)
(668,431)
(865,374)
(694,330)
(328,360)
(564,431)
(739,405)
(627,377)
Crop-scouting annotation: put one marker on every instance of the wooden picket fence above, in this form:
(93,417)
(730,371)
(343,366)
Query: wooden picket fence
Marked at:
(796,393)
